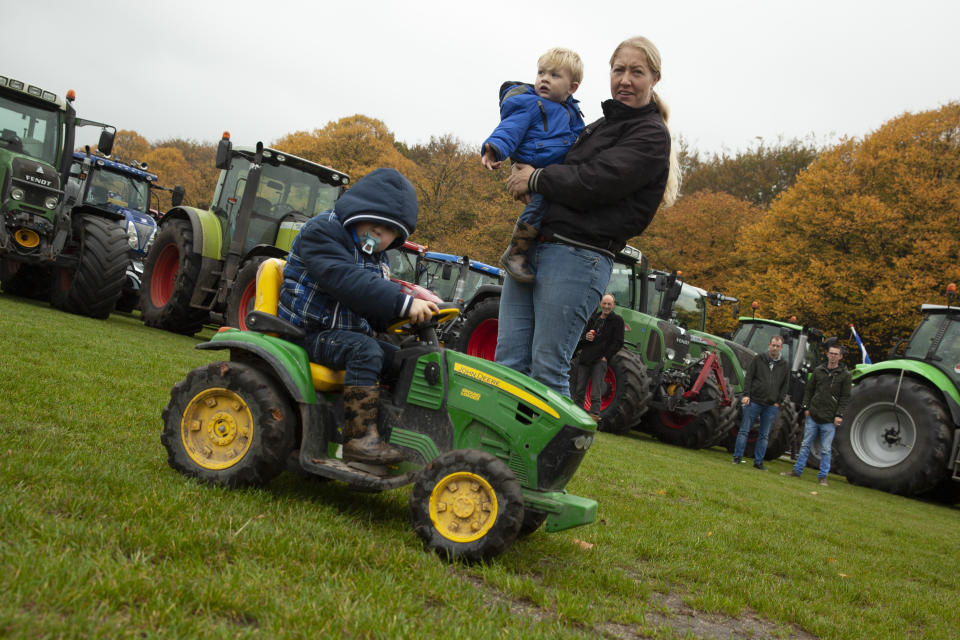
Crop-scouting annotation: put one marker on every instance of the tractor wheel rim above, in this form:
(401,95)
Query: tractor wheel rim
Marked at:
(164,275)
(463,507)
(483,342)
(216,428)
(883,434)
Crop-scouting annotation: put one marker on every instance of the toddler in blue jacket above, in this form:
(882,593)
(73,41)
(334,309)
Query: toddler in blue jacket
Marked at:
(538,125)
(335,287)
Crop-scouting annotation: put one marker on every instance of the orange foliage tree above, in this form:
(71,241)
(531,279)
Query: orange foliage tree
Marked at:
(868,233)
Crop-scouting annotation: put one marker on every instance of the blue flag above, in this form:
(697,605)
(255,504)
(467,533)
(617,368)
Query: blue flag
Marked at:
(863,350)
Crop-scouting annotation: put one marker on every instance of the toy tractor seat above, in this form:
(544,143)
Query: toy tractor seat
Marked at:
(264,319)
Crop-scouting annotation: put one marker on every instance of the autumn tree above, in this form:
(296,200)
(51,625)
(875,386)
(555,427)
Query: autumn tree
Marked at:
(189,164)
(355,145)
(129,146)
(868,233)
(757,175)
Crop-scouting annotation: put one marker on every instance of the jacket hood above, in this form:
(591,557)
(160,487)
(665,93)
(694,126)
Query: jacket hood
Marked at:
(383,196)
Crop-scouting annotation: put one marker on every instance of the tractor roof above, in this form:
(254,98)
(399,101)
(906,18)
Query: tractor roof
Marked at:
(788,325)
(130,169)
(276,157)
(939,308)
(449,257)
(33,92)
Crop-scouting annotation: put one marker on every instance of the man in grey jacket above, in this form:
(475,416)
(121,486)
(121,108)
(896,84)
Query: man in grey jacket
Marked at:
(764,389)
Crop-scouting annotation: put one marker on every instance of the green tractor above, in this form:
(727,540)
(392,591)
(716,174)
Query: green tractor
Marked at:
(78,259)
(488,451)
(901,429)
(676,382)
(202,266)
(801,348)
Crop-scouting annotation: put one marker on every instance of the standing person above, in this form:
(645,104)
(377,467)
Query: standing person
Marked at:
(764,389)
(538,125)
(602,338)
(335,288)
(620,170)
(824,400)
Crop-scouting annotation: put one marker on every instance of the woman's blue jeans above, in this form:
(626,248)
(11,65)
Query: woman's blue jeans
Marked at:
(541,321)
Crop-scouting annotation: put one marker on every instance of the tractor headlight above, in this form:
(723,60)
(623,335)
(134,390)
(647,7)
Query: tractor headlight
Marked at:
(50,202)
(671,354)
(132,238)
(17,193)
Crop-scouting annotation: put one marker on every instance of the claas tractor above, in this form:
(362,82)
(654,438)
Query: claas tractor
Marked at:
(489,451)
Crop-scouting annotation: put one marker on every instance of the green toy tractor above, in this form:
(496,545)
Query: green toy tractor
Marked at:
(202,266)
(488,450)
(901,430)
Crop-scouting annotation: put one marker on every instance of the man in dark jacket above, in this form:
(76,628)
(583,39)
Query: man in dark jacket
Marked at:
(764,389)
(335,288)
(825,399)
(602,338)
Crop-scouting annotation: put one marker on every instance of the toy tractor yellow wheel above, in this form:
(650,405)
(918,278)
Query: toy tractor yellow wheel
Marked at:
(467,505)
(228,423)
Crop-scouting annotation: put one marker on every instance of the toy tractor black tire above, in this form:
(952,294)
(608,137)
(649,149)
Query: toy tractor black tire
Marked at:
(94,286)
(243,292)
(25,280)
(170,275)
(692,432)
(467,505)
(476,335)
(532,520)
(230,424)
(900,448)
(626,392)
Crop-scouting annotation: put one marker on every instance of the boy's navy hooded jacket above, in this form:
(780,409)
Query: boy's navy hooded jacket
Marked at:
(532,129)
(329,283)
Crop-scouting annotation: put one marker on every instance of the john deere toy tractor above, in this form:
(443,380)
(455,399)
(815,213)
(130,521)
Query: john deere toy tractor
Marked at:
(77,259)
(901,430)
(202,266)
(489,451)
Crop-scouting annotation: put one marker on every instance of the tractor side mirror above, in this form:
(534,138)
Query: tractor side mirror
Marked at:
(105,145)
(447,271)
(736,309)
(224,149)
(178,194)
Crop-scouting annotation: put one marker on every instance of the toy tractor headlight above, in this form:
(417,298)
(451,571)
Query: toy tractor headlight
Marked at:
(132,238)
(17,193)
(50,202)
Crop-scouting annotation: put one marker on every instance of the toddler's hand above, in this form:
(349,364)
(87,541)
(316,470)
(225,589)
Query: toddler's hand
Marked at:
(422,310)
(489,158)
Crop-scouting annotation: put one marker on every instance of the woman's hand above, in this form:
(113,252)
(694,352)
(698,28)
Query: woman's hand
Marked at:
(517,181)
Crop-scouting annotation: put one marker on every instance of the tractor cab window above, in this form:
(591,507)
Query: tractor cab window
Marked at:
(947,354)
(402,265)
(758,339)
(690,308)
(111,188)
(621,284)
(29,130)
(440,277)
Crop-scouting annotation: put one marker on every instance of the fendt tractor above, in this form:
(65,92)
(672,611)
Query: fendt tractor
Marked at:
(77,258)
(901,430)
(108,187)
(489,451)
(801,348)
(203,265)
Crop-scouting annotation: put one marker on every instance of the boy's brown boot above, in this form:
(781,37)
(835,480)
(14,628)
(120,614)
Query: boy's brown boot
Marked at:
(514,259)
(361,440)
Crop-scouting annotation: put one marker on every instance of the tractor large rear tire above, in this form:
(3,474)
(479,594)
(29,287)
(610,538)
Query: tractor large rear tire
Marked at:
(690,431)
(170,276)
(467,505)
(901,448)
(626,392)
(477,334)
(228,423)
(94,286)
(243,293)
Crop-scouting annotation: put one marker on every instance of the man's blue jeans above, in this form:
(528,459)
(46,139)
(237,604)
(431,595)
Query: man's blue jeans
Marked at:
(767,414)
(541,321)
(363,357)
(811,429)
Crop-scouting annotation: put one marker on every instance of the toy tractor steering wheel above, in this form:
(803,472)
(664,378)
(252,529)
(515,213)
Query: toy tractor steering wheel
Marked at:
(403,326)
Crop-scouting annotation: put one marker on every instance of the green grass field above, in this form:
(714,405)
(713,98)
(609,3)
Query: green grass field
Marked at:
(99,538)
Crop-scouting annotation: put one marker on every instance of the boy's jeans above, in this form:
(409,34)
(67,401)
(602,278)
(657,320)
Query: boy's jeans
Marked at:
(811,429)
(363,357)
(767,414)
(531,214)
(541,321)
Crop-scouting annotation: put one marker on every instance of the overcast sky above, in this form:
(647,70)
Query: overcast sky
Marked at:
(732,71)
